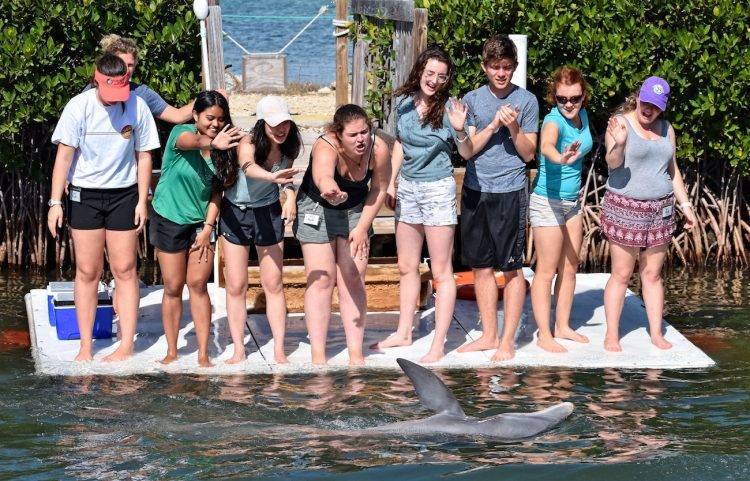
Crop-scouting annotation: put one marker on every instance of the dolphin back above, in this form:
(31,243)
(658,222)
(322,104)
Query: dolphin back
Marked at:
(433,394)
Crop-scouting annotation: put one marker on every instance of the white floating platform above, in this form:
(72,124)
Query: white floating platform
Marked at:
(55,357)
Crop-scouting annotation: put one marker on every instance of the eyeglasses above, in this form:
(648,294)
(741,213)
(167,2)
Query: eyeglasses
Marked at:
(564,100)
(439,78)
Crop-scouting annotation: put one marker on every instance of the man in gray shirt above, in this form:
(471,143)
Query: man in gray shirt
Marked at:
(503,122)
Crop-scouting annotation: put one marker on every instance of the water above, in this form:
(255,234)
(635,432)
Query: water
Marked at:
(268,26)
(647,424)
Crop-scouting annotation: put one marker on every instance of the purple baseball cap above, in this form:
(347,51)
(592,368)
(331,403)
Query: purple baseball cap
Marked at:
(655,90)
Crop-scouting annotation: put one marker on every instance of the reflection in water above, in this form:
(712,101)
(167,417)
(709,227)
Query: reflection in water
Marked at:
(199,427)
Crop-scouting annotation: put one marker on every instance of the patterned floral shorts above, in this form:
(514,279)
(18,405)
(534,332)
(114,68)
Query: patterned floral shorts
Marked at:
(426,202)
(638,223)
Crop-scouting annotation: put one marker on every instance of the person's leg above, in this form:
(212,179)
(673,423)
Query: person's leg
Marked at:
(235,279)
(350,279)
(440,247)
(514,296)
(565,285)
(548,243)
(173,267)
(623,261)
(271,262)
(198,272)
(485,288)
(650,264)
(121,246)
(409,239)
(320,269)
(89,266)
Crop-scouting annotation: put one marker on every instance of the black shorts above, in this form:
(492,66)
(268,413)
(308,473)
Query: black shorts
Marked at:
(261,226)
(168,236)
(111,209)
(493,229)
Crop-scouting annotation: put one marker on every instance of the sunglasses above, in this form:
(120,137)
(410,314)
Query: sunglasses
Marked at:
(564,100)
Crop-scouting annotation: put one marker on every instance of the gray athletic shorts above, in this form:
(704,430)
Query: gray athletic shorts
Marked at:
(546,212)
(331,223)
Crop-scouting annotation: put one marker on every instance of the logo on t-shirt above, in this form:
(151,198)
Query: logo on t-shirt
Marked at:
(127,132)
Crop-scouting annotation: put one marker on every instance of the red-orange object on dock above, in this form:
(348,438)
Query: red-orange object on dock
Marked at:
(14,338)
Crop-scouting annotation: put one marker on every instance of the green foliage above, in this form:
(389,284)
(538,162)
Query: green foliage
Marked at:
(47,51)
(700,47)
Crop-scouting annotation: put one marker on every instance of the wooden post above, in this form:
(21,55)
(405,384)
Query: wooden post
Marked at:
(342,61)
(403,46)
(215,41)
(359,71)
(419,31)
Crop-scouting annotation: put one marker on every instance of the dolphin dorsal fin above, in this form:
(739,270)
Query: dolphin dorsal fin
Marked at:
(431,391)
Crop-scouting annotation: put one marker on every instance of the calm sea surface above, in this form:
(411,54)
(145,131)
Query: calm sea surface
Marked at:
(266,26)
(646,424)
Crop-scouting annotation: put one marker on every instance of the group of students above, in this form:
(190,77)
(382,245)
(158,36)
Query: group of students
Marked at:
(216,178)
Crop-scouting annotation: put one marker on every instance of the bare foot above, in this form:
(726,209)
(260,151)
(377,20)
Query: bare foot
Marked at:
(549,344)
(120,354)
(84,356)
(481,344)
(356,361)
(570,334)
(612,345)
(280,358)
(204,361)
(661,343)
(169,358)
(432,357)
(393,340)
(236,359)
(504,353)
(321,361)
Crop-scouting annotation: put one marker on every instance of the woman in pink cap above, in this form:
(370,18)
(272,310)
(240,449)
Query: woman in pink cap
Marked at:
(252,214)
(638,208)
(104,138)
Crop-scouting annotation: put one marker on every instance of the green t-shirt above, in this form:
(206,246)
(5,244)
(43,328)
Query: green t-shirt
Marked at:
(185,185)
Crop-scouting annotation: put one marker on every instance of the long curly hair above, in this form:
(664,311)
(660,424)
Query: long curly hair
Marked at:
(436,103)
(225,161)
(290,148)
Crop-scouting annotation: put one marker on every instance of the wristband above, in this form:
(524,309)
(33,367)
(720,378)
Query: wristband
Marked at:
(212,226)
(685,205)
(460,140)
(245,166)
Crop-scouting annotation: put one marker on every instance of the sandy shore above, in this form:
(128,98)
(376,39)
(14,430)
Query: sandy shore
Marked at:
(311,111)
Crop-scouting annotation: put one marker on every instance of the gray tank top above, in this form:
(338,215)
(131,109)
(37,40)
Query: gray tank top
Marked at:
(644,173)
(251,193)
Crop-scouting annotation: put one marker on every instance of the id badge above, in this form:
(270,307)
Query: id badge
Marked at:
(667,211)
(311,219)
(75,194)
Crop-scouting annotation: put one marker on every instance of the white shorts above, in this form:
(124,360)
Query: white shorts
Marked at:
(546,212)
(426,203)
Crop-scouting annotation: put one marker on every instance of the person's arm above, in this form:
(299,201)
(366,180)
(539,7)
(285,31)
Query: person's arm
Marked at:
(324,159)
(227,138)
(175,115)
(678,185)
(381,174)
(63,161)
(614,141)
(550,134)
(145,164)
(289,209)
(397,159)
(248,166)
(202,241)
(457,113)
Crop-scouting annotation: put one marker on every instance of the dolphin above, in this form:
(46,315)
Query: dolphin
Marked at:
(449,418)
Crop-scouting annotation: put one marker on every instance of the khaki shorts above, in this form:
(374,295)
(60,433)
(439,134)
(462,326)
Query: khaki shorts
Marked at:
(546,212)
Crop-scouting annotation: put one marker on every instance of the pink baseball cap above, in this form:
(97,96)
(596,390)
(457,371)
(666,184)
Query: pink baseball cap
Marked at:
(113,89)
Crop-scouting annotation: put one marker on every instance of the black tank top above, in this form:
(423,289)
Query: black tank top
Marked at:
(356,189)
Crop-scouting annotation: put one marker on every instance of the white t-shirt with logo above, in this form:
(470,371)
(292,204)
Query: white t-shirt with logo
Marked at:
(106,139)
